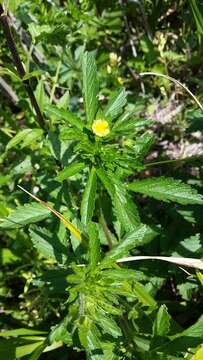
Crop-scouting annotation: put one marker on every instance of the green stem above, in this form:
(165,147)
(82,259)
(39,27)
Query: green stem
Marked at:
(171,161)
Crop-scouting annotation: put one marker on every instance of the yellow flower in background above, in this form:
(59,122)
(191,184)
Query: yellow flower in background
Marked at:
(120,80)
(100,127)
(114,59)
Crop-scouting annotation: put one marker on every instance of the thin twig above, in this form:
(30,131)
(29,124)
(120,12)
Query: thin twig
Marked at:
(19,66)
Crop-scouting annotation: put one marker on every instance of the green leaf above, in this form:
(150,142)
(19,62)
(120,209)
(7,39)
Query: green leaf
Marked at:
(27,349)
(7,257)
(197,15)
(13,5)
(196,330)
(25,137)
(108,324)
(143,144)
(41,97)
(94,245)
(103,176)
(70,117)
(167,189)
(143,296)
(24,215)
(64,100)
(21,332)
(161,324)
(135,238)
(38,351)
(126,123)
(88,199)
(60,333)
(48,244)
(125,208)
(71,170)
(116,104)
(90,86)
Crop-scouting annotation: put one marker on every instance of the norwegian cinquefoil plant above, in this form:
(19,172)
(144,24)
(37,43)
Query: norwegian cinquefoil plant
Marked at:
(109,308)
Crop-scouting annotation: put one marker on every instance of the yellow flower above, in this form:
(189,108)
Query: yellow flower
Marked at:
(120,80)
(100,127)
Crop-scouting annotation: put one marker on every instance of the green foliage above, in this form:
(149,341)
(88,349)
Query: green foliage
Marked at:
(24,215)
(113,144)
(90,87)
(167,189)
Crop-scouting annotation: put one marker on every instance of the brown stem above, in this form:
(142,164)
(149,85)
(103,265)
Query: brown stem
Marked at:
(19,66)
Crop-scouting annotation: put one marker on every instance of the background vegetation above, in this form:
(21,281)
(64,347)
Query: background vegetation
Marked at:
(85,60)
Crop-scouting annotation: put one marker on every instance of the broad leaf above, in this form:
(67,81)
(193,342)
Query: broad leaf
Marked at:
(90,86)
(108,324)
(48,244)
(88,199)
(167,189)
(161,324)
(24,215)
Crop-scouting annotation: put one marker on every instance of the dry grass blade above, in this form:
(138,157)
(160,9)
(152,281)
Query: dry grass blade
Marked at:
(175,82)
(189,262)
(67,223)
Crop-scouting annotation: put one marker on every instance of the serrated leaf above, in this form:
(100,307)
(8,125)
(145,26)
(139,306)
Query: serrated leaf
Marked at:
(70,117)
(143,144)
(167,189)
(69,171)
(103,176)
(127,123)
(94,245)
(125,209)
(24,215)
(90,86)
(186,290)
(135,238)
(48,244)
(116,104)
(161,324)
(108,325)
(88,199)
